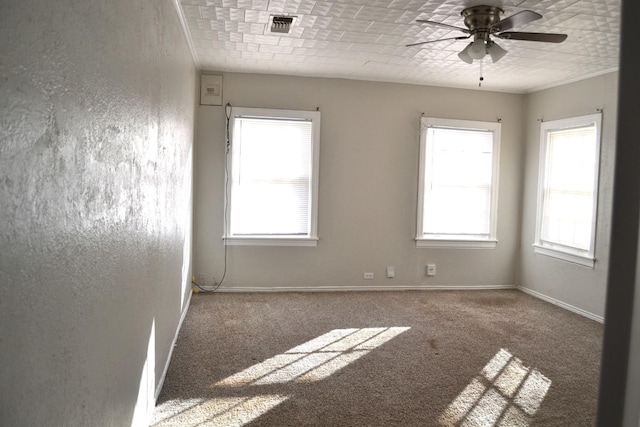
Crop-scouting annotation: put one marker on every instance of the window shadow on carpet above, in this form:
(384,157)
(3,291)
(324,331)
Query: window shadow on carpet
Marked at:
(314,360)
(506,393)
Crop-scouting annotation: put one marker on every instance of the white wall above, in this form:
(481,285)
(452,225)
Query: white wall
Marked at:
(580,287)
(368,187)
(96,136)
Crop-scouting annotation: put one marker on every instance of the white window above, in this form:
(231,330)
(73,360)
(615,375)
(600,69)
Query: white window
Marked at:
(458,187)
(273,177)
(567,189)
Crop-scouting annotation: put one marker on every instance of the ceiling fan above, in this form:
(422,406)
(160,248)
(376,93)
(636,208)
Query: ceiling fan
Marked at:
(483,22)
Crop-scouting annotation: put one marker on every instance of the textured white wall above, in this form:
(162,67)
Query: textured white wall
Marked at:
(96,137)
(368,187)
(572,284)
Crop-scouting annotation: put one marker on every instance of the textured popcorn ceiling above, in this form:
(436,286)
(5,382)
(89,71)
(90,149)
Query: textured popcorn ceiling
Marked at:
(365,39)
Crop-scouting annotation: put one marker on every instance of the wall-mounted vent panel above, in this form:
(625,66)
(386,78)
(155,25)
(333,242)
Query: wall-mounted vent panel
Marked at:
(281,24)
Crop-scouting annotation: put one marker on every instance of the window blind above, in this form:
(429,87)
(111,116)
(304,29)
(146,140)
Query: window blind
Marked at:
(271,182)
(568,202)
(458,182)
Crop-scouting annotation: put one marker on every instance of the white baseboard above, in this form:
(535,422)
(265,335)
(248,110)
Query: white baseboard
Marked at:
(561,304)
(469,288)
(412,288)
(359,288)
(173,344)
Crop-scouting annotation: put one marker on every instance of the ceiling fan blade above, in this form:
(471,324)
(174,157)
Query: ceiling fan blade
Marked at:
(520,18)
(534,37)
(439,40)
(424,21)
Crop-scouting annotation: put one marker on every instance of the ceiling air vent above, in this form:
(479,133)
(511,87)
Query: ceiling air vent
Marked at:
(281,24)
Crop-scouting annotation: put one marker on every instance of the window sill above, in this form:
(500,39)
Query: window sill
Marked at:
(456,243)
(271,241)
(575,258)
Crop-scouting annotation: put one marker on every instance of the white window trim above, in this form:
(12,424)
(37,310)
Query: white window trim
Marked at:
(566,253)
(459,244)
(267,240)
(489,242)
(271,241)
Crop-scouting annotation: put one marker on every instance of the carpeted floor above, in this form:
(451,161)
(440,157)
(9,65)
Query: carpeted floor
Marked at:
(411,358)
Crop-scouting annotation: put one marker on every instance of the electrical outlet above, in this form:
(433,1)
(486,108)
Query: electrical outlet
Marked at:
(391,272)
(431,269)
(368,276)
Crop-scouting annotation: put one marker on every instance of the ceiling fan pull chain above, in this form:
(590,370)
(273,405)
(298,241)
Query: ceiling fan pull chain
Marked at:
(481,78)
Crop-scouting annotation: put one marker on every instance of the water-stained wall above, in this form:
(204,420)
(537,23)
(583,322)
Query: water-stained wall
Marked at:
(96,137)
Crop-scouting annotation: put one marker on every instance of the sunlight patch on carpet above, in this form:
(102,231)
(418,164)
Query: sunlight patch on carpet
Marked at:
(506,393)
(333,365)
(294,370)
(316,359)
(322,341)
(260,370)
(168,410)
(219,411)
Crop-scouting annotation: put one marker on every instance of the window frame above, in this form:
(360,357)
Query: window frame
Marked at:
(555,250)
(451,241)
(311,239)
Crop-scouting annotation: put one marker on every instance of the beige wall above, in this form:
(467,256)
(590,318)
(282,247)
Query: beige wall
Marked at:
(577,286)
(96,139)
(368,187)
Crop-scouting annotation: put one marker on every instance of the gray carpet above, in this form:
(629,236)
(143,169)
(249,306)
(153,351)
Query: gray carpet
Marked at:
(412,358)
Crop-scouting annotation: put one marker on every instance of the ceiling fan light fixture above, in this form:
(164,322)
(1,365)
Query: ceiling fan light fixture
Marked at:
(464,54)
(496,52)
(483,22)
(477,49)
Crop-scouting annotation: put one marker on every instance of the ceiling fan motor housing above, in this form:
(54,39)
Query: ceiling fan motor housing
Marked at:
(480,18)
